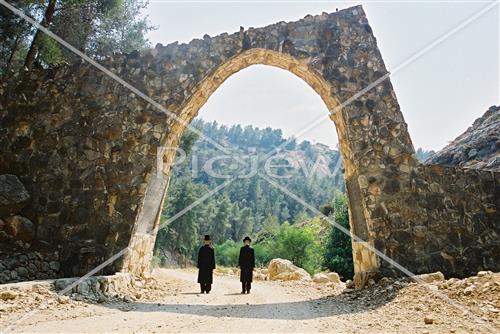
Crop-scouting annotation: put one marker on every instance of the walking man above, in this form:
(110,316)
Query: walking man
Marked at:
(206,265)
(247,263)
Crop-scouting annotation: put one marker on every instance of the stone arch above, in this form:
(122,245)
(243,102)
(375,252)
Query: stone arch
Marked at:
(364,259)
(368,155)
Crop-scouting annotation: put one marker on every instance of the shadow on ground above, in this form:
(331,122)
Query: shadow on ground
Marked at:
(345,303)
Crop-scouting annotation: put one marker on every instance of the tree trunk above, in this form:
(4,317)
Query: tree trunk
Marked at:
(35,44)
(13,52)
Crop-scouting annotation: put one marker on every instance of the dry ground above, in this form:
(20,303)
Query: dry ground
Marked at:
(172,303)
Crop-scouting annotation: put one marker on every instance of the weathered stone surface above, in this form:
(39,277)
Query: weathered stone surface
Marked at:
(16,266)
(285,270)
(431,277)
(321,278)
(327,278)
(6,295)
(333,277)
(13,195)
(89,152)
(20,228)
(478,147)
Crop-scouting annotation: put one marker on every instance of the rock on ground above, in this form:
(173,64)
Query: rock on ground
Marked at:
(327,278)
(285,270)
(431,277)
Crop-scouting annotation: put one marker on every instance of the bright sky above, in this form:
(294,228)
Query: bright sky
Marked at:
(441,92)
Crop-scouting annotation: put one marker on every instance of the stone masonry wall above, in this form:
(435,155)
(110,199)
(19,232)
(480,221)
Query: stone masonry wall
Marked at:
(86,147)
(449,222)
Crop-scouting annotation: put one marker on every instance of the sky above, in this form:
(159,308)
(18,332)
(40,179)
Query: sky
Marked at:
(452,78)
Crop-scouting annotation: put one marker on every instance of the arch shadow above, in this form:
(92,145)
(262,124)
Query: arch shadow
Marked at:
(344,303)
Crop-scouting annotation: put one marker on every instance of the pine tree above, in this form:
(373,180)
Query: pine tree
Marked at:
(338,251)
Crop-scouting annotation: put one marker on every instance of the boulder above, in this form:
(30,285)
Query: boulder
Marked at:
(285,270)
(20,228)
(431,277)
(321,278)
(327,278)
(333,277)
(13,195)
(63,300)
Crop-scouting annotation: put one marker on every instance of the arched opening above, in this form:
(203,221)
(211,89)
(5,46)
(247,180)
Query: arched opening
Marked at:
(251,113)
(364,260)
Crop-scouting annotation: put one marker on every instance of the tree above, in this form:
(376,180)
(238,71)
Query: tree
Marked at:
(122,30)
(291,144)
(14,35)
(221,224)
(182,233)
(37,39)
(96,27)
(338,250)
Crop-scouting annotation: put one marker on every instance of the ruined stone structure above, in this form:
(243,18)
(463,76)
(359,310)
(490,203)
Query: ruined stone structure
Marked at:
(87,148)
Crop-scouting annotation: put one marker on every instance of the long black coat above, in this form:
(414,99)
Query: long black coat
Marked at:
(247,263)
(206,264)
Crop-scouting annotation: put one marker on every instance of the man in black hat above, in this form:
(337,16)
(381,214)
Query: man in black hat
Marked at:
(206,264)
(247,263)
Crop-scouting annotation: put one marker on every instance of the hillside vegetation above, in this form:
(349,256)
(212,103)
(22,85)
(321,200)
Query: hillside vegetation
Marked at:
(249,205)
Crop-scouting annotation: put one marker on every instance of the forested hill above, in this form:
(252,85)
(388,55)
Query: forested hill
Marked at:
(248,204)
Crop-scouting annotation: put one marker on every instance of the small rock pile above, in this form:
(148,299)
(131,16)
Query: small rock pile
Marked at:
(121,288)
(436,299)
(481,293)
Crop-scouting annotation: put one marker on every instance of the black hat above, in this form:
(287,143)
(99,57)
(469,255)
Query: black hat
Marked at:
(247,238)
(207,237)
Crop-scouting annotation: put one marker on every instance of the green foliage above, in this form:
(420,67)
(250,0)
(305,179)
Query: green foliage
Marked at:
(50,52)
(227,253)
(338,249)
(96,27)
(299,245)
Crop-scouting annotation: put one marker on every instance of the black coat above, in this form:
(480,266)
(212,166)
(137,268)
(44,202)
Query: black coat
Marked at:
(247,263)
(206,264)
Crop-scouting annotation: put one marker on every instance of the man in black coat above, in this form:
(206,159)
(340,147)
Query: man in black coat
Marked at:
(247,263)
(206,264)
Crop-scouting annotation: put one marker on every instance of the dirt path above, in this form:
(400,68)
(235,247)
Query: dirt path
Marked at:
(271,307)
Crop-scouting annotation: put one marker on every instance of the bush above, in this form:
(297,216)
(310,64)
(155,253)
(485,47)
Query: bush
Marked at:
(299,245)
(262,254)
(227,253)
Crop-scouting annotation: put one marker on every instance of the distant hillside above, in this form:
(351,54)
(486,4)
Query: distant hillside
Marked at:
(249,203)
(478,147)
